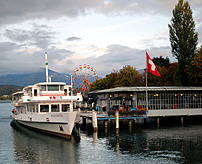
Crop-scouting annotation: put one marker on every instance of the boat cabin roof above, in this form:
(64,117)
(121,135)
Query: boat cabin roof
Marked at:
(17,93)
(51,83)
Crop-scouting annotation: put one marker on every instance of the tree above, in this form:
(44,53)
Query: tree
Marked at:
(194,69)
(127,76)
(160,61)
(183,39)
(167,76)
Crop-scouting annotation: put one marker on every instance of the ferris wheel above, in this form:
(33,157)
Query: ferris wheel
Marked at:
(82,76)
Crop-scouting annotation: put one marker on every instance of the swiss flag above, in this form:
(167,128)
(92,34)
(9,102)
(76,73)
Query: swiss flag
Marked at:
(151,66)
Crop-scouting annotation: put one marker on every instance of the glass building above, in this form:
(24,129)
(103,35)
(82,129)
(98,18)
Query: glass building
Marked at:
(159,98)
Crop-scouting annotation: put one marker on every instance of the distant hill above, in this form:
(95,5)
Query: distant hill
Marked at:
(32,78)
(8,89)
(36,77)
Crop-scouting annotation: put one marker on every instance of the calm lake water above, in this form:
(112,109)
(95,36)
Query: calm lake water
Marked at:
(164,144)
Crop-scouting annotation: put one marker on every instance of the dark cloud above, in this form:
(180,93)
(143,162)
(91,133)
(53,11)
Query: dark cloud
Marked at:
(6,49)
(15,60)
(138,6)
(15,56)
(74,38)
(39,36)
(22,10)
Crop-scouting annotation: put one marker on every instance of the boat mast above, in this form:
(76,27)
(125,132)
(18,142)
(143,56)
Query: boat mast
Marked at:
(71,106)
(46,60)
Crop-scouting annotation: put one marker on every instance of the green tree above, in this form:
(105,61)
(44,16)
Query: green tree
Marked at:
(183,39)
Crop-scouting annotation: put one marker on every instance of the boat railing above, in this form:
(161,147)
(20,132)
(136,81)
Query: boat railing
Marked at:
(52,98)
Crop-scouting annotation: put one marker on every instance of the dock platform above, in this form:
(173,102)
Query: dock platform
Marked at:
(154,115)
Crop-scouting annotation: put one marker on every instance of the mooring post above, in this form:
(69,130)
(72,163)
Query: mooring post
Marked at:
(106,124)
(157,120)
(182,120)
(117,119)
(130,123)
(79,116)
(94,120)
(84,121)
(95,138)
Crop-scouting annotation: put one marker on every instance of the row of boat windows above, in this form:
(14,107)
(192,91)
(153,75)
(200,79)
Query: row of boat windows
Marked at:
(44,108)
(51,87)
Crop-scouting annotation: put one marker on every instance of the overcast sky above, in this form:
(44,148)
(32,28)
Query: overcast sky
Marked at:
(106,34)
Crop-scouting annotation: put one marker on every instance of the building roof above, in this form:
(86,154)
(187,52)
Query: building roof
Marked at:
(139,89)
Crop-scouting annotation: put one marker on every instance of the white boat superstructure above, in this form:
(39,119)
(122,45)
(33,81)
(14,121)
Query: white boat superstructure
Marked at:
(46,106)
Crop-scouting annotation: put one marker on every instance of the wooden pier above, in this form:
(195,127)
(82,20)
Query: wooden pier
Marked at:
(155,115)
(96,117)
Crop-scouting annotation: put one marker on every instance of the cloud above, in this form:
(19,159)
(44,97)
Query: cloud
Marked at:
(118,56)
(40,36)
(17,60)
(138,6)
(23,49)
(199,30)
(23,10)
(14,59)
(73,38)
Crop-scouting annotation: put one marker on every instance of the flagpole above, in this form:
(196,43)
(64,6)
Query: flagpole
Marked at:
(150,67)
(146,86)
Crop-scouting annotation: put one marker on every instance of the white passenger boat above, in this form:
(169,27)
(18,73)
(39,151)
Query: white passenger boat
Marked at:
(46,106)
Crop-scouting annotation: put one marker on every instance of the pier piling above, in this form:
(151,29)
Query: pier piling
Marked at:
(182,120)
(130,123)
(157,121)
(117,119)
(94,120)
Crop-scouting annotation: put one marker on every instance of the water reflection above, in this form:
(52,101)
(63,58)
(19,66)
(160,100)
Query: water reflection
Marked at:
(32,147)
(175,144)
(135,145)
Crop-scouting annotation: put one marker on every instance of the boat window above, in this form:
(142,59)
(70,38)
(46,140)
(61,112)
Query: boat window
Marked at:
(55,108)
(37,108)
(22,110)
(65,107)
(33,108)
(19,110)
(28,108)
(35,92)
(70,93)
(65,92)
(43,88)
(53,87)
(61,88)
(44,108)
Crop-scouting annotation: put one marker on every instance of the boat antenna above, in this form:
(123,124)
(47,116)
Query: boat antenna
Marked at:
(46,60)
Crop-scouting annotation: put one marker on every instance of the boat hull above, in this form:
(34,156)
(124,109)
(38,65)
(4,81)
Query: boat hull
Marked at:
(62,126)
